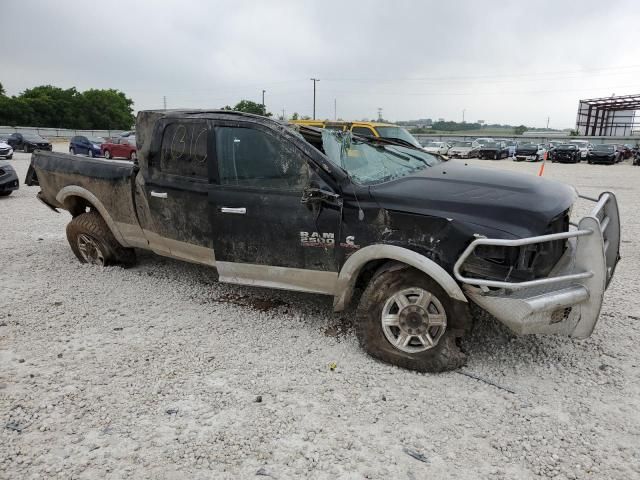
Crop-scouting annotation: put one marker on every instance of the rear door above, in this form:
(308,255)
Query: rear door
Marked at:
(172,192)
(263,232)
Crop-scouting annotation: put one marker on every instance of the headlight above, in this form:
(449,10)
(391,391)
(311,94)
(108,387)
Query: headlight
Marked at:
(96,146)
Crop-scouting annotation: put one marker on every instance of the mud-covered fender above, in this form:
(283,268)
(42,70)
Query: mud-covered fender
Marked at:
(352,267)
(76,191)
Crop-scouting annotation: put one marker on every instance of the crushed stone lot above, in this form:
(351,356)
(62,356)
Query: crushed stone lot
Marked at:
(160,372)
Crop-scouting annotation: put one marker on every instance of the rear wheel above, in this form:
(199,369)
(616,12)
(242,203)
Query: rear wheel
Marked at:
(133,156)
(91,155)
(402,319)
(72,151)
(92,242)
(107,154)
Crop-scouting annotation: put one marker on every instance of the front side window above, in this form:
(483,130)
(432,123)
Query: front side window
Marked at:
(184,149)
(250,157)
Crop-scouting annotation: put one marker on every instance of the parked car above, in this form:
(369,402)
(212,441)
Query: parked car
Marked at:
(463,149)
(512,145)
(121,147)
(313,210)
(440,148)
(566,153)
(583,147)
(484,141)
(28,142)
(86,145)
(494,150)
(604,153)
(530,152)
(626,151)
(5,149)
(8,179)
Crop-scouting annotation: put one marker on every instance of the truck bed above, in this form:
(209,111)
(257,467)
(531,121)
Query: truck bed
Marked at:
(75,183)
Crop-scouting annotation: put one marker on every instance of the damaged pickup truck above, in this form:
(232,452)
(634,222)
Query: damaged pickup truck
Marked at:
(427,241)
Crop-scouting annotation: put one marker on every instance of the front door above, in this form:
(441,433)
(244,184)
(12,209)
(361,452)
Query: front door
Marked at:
(171,196)
(263,232)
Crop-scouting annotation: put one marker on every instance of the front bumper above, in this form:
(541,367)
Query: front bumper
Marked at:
(527,157)
(6,152)
(8,180)
(568,301)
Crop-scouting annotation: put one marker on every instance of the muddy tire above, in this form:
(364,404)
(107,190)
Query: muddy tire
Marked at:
(92,242)
(426,312)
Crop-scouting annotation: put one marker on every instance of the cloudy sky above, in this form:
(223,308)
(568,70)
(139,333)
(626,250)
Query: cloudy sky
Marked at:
(499,61)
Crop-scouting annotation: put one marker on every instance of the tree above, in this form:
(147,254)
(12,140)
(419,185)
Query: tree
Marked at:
(2,92)
(295,116)
(248,106)
(519,130)
(49,106)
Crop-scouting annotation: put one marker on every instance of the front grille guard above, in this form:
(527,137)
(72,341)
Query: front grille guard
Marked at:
(605,214)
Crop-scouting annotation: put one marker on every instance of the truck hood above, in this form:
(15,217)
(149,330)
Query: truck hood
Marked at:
(517,204)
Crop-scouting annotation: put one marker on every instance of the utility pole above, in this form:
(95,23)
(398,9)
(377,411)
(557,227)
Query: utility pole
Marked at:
(379,114)
(284,119)
(314,80)
(548,123)
(463,110)
(164,101)
(264,110)
(335,109)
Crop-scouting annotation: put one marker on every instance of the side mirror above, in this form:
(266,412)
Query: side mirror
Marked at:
(318,195)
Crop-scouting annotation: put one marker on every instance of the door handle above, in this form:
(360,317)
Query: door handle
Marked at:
(239,211)
(159,194)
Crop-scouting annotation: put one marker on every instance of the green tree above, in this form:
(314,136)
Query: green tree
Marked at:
(248,106)
(519,130)
(295,116)
(107,109)
(2,92)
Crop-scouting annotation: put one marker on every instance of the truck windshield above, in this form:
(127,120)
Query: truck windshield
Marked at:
(369,163)
(397,132)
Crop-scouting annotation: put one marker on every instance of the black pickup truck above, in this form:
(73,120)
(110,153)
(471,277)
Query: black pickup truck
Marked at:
(427,241)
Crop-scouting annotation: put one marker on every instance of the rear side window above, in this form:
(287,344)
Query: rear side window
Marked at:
(184,149)
(255,158)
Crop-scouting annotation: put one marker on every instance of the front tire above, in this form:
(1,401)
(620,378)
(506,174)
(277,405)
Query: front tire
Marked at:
(72,151)
(133,156)
(91,155)
(404,318)
(92,242)
(6,194)
(107,154)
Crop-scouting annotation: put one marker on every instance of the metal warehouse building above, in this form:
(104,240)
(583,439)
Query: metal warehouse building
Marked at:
(608,116)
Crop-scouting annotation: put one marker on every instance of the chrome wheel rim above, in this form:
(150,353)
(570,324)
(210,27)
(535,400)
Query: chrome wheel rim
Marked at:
(133,155)
(90,250)
(413,320)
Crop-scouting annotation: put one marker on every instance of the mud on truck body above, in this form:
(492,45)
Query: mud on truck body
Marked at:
(333,213)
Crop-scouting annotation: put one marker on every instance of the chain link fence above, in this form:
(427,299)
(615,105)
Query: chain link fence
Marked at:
(61,133)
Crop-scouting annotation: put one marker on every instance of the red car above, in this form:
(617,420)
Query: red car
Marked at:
(122,147)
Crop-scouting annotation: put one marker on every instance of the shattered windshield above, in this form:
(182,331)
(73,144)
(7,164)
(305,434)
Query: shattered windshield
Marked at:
(369,163)
(397,132)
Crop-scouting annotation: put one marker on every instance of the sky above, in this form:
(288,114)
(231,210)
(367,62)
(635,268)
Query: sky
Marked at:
(509,62)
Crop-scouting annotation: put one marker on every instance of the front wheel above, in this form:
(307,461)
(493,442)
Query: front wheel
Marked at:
(92,242)
(91,154)
(403,318)
(72,151)
(107,154)
(133,156)
(6,194)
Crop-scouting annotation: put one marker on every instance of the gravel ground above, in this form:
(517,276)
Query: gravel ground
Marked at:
(160,372)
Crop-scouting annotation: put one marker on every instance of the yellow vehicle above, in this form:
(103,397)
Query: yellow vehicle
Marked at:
(367,129)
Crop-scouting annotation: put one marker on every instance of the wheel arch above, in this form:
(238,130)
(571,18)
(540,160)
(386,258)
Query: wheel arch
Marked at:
(380,254)
(76,199)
